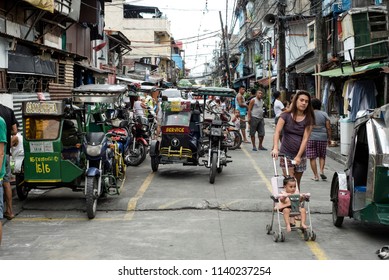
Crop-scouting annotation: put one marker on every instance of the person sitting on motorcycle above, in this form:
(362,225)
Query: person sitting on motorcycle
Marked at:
(139,107)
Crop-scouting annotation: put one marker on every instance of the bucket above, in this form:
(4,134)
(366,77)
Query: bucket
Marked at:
(346,131)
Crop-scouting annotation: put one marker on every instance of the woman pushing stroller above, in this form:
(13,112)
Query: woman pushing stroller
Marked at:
(296,124)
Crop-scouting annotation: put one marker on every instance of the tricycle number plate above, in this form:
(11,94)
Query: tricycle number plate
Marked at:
(41,147)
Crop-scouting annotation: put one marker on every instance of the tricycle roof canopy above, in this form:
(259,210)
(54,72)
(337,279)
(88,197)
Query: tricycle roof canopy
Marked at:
(98,93)
(216,91)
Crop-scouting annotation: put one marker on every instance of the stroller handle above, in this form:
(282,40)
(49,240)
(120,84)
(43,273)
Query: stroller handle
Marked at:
(286,164)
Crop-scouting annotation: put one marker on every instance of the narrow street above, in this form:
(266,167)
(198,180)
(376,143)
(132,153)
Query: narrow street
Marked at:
(176,214)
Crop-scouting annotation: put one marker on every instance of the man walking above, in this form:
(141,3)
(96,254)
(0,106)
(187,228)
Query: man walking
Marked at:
(256,121)
(11,127)
(242,107)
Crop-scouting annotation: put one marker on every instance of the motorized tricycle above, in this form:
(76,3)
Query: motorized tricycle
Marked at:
(362,190)
(181,136)
(216,132)
(187,136)
(106,140)
(53,140)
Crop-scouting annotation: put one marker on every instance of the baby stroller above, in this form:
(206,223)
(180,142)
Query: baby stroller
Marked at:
(296,201)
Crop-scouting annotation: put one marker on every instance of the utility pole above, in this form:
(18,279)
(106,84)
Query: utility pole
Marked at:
(225,52)
(281,61)
(320,50)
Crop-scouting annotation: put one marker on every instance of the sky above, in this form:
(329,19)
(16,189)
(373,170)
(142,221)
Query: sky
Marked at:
(197,24)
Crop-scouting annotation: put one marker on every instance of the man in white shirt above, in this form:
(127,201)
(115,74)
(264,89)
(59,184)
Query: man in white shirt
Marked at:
(139,106)
(278,106)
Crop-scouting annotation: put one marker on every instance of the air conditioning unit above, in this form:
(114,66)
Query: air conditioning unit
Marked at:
(12,45)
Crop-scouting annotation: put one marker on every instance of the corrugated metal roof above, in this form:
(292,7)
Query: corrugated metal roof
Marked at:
(349,71)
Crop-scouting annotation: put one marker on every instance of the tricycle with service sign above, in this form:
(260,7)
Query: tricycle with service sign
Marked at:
(187,136)
(362,190)
(181,134)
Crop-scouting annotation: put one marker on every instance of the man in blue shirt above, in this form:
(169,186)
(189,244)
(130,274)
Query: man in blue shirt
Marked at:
(3,146)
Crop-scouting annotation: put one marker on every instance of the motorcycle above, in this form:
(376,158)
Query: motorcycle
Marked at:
(120,130)
(217,148)
(152,119)
(104,162)
(99,164)
(216,140)
(139,128)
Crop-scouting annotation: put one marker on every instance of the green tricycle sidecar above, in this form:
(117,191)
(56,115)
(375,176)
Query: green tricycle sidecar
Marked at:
(52,140)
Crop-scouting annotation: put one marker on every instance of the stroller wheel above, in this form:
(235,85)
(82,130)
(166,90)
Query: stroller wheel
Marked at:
(313,236)
(282,237)
(275,237)
(306,235)
(268,229)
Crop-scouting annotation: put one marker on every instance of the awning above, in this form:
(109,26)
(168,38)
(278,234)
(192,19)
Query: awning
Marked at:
(265,81)
(32,65)
(349,71)
(304,64)
(129,80)
(244,77)
(92,68)
(307,66)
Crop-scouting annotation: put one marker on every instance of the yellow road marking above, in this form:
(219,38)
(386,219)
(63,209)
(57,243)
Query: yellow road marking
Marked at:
(131,206)
(313,246)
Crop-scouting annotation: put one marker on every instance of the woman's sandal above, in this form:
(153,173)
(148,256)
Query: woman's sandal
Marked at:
(323,177)
(315,179)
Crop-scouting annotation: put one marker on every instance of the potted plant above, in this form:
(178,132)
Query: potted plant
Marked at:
(258,59)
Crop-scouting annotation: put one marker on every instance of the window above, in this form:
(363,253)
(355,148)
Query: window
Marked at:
(3,81)
(41,128)
(311,35)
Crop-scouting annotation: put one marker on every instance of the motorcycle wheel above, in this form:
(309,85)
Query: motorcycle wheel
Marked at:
(138,156)
(236,139)
(154,163)
(213,169)
(91,197)
(21,189)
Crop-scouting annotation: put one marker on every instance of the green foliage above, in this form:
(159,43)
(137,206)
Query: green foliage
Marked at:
(258,59)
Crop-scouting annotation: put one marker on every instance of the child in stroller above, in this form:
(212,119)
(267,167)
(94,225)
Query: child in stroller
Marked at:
(290,203)
(289,193)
